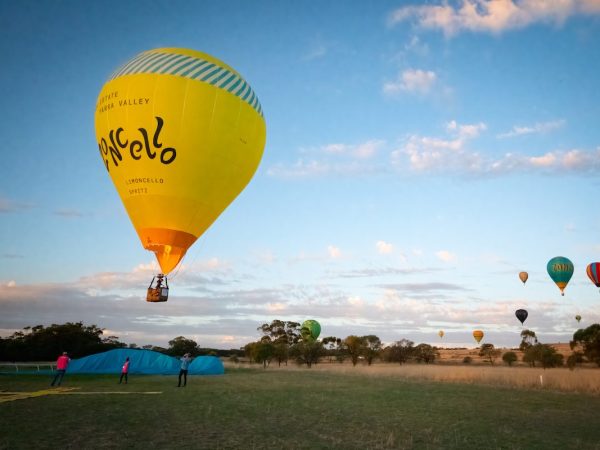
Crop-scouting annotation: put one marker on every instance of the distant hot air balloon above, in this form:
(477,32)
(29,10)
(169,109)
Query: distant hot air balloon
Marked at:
(441,333)
(478,335)
(310,330)
(181,134)
(578,318)
(593,272)
(560,270)
(521,315)
(523,276)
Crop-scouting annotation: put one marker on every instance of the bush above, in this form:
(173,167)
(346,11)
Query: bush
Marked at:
(509,358)
(467,360)
(574,359)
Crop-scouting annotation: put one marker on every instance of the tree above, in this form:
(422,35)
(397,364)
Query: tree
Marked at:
(333,347)
(307,352)
(425,353)
(371,348)
(354,347)
(574,359)
(182,345)
(549,356)
(509,358)
(261,352)
(282,335)
(281,331)
(281,352)
(489,353)
(41,343)
(532,354)
(545,354)
(528,338)
(400,351)
(589,340)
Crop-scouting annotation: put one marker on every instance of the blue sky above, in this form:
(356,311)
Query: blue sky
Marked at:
(418,156)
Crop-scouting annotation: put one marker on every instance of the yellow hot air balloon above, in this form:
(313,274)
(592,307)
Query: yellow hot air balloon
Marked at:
(181,134)
(441,333)
(523,276)
(478,335)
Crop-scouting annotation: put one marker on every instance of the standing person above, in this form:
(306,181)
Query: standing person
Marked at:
(124,370)
(185,363)
(61,367)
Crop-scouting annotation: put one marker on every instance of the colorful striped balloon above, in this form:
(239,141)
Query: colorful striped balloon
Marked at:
(593,272)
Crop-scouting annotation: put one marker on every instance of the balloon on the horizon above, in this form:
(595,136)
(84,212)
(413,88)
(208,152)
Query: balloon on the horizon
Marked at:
(181,134)
(441,333)
(578,318)
(593,272)
(478,335)
(521,315)
(310,330)
(560,270)
(523,276)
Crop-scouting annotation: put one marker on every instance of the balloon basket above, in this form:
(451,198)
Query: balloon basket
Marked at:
(159,293)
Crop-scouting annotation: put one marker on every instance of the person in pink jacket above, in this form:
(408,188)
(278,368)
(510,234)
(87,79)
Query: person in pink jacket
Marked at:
(61,367)
(124,370)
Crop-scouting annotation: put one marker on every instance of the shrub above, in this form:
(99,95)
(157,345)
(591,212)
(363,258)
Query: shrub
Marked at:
(509,358)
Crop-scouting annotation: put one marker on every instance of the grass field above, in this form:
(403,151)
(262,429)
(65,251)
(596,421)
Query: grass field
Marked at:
(296,408)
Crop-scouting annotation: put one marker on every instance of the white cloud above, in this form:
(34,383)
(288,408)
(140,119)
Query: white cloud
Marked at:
(335,159)
(367,149)
(538,128)
(492,16)
(356,301)
(334,252)
(445,255)
(412,81)
(435,154)
(335,148)
(384,248)
(451,155)
(228,316)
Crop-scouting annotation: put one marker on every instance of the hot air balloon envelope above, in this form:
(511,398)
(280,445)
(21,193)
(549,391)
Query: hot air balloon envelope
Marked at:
(578,318)
(523,276)
(478,335)
(593,272)
(560,270)
(180,134)
(521,315)
(441,333)
(310,330)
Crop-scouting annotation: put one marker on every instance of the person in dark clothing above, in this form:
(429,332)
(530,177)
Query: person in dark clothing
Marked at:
(185,363)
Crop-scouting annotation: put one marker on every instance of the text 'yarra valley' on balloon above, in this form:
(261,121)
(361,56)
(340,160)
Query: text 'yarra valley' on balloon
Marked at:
(119,142)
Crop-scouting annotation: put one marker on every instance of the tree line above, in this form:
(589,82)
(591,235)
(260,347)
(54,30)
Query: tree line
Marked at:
(281,341)
(40,343)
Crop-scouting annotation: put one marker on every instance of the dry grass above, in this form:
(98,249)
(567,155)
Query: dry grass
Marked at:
(450,369)
(579,380)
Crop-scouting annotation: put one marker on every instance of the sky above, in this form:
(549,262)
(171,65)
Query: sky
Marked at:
(419,156)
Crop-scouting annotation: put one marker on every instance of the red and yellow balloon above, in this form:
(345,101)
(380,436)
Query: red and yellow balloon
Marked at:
(181,134)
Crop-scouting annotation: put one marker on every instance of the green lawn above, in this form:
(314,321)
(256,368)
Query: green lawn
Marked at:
(252,408)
